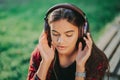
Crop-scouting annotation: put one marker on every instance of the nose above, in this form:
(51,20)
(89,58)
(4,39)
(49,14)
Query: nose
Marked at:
(60,39)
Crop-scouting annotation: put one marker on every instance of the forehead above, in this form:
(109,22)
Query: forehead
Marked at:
(62,25)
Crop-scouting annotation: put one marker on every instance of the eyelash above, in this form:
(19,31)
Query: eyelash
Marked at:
(66,35)
(56,34)
(69,35)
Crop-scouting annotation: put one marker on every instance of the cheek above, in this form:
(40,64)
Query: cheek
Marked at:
(73,40)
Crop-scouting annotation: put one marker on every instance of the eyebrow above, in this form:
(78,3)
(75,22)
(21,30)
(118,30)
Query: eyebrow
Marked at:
(69,31)
(65,32)
(55,31)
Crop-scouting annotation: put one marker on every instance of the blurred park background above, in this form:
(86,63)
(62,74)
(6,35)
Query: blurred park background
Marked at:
(21,22)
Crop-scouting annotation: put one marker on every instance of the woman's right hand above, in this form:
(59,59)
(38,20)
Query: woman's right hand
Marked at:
(47,53)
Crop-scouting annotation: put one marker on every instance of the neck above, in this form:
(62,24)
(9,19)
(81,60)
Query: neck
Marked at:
(66,60)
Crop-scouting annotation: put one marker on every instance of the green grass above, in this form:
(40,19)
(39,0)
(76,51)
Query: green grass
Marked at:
(21,22)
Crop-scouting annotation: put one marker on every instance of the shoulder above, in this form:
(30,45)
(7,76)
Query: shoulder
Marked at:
(97,63)
(98,55)
(98,60)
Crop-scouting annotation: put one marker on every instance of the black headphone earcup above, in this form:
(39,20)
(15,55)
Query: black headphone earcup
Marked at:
(86,27)
(47,31)
(46,26)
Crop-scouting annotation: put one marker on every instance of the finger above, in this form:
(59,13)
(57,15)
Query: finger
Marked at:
(80,46)
(87,51)
(52,47)
(89,37)
(42,34)
(86,40)
(88,43)
(43,37)
(40,49)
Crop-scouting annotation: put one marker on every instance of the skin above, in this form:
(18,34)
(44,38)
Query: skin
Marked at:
(63,34)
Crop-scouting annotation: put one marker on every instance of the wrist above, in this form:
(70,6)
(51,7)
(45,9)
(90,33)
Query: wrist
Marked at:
(80,74)
(43,68)
(80,69)
(46,62)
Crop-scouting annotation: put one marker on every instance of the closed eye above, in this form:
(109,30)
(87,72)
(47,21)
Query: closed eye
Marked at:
(55,34)
(69,35)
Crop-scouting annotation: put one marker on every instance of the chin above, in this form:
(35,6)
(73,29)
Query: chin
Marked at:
(64,52)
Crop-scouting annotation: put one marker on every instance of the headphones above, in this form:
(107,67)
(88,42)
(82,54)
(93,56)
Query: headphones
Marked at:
(67,6)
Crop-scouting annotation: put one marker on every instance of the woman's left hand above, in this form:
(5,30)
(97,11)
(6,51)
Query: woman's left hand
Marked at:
(83,55)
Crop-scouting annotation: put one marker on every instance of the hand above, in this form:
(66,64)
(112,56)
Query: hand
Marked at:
(47,53)
(83,55)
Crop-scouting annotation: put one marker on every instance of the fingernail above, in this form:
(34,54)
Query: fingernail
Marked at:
(88,33)
(84,37)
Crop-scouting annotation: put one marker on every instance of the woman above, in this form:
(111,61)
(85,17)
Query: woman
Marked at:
(66,50)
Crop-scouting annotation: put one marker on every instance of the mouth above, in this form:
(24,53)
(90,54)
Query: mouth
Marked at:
(61,47)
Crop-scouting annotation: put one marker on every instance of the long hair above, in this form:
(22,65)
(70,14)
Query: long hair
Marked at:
(97,58)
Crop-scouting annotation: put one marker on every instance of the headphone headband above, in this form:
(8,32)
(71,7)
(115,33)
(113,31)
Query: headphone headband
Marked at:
(85,28)
(67,6)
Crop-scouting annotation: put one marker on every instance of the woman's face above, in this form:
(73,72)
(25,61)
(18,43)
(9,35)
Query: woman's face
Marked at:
(64,36)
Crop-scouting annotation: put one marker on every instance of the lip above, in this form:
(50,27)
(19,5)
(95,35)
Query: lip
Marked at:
(61,47)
